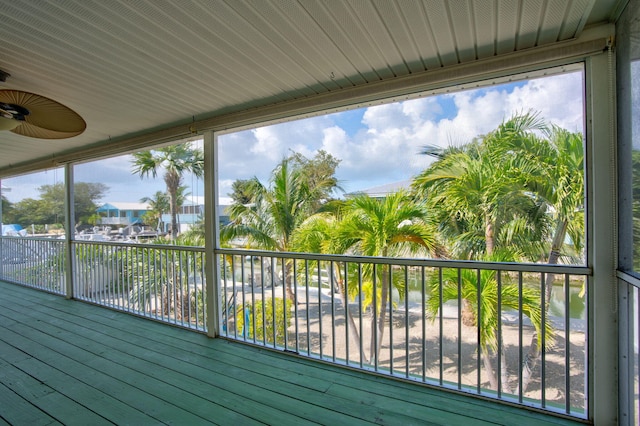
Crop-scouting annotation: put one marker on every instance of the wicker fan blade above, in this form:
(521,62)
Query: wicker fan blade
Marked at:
(47,118)
(27,129)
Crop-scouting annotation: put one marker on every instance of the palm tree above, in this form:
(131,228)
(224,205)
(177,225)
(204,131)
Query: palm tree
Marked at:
(158,204)
(496,192)
(176,160)
(465,284)
(387,228)
(480,203)
(318,234)
(553,170)
(275,212)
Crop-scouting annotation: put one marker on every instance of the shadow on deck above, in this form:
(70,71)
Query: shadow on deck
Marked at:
(69,362)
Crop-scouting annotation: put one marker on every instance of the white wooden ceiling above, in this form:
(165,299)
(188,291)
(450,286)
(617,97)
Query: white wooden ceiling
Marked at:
(130,67)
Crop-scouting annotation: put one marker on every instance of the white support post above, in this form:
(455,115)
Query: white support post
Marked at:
(69,226)
(1,235)
(601,204)
(212,234)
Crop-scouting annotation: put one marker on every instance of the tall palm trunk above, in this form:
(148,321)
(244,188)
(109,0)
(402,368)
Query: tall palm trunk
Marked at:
(376,344)
(490,243)
(557,243)
(344,298)
(288,280)
(531,359)
(488,367)
(173,180)
(489,236)
(504,374)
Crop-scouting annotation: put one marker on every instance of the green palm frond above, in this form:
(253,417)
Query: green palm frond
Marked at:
(479,291)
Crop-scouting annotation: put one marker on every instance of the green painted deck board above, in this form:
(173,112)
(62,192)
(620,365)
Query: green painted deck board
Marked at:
(22,411)
(237,378)
(225,365)
(111,377)
(39,401)
(189,377)
(441,401)
(126,369)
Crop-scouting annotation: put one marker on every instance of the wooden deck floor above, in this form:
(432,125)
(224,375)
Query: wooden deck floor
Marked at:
(66,362)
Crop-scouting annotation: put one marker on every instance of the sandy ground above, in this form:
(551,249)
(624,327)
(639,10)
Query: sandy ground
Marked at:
(418,345)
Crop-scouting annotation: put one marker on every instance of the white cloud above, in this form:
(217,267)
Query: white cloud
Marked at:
(256,152)
(387,145)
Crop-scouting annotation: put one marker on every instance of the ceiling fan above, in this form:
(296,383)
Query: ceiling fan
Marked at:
(37,116)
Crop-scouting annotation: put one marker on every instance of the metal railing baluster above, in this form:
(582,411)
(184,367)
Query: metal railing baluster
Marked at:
(520,352)
(459,329)
(567,345)
(360,313)
(406,322)
(543,342)
(441,327)
(479,313)
(499,313)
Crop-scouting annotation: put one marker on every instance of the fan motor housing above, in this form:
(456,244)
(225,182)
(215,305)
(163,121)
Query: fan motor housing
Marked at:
(13,111)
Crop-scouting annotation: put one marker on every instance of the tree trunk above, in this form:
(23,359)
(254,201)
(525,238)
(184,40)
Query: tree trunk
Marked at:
(376,345)
(488,366)
(174,216)
(556,245)
(173,180)
(531,359)
(166,300)
(288,282)
(342,290)
(468,317)
(504,374)
(489,236)
(529,363)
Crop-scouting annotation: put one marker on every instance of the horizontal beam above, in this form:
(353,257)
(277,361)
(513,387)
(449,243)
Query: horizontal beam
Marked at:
(429,263)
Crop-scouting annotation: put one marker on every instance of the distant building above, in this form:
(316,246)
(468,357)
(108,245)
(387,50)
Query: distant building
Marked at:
(116,213)
(383,190)
(192,211)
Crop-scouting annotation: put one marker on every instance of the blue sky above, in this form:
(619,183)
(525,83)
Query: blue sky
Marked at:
(376,145)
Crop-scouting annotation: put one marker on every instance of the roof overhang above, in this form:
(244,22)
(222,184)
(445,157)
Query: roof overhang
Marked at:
(143,73)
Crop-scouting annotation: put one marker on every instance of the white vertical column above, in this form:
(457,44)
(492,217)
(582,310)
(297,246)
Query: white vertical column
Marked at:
(69,226)
(1,240)
(212,234)
(602,247)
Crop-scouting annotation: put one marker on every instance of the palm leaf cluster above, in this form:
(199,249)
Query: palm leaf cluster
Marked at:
(514,194)
(176,161)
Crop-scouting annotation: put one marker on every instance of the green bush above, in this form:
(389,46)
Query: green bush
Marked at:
(198,307)
(257,322)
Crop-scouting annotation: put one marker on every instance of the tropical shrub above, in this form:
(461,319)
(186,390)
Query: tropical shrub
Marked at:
(262,325)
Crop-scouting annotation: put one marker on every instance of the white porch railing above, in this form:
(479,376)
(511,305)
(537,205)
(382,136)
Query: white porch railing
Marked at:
(34,262)
(429,331)
(435,328)
(161,282)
